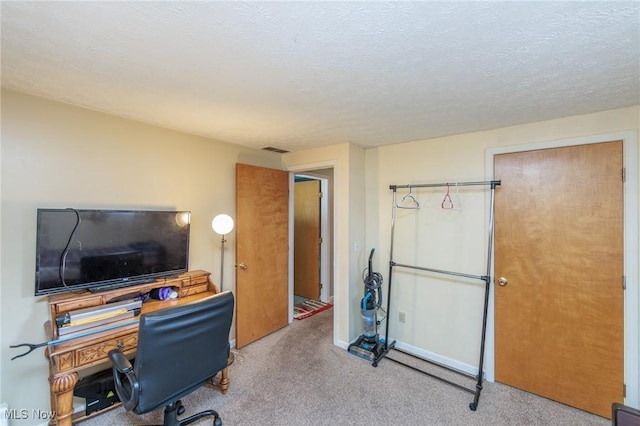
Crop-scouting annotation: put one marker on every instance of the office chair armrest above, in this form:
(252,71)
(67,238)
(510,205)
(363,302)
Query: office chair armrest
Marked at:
(128,392)
(120,362)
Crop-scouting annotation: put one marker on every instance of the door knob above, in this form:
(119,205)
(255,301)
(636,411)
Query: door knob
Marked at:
(242,266)
(503,281)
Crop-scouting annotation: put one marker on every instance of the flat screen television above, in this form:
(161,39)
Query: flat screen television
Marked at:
(101,249)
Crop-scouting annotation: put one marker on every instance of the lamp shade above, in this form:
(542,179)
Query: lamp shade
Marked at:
(222,224)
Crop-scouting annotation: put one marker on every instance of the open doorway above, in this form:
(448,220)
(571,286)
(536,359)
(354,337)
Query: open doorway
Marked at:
(313,237)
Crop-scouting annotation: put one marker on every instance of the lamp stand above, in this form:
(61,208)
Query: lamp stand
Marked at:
(232,356)
(222,224)
(222,262)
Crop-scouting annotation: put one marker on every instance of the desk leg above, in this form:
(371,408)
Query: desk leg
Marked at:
(224,381)
(62,392)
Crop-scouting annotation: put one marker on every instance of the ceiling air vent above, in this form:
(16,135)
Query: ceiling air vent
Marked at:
(273,149)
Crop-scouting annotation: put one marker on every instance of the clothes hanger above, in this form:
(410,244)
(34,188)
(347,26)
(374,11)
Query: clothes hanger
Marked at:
(447,203)
(412,199)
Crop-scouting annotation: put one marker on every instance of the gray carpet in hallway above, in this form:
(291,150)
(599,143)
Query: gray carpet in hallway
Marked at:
(296,376)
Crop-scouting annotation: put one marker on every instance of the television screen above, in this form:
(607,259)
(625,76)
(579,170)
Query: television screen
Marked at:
(91,249)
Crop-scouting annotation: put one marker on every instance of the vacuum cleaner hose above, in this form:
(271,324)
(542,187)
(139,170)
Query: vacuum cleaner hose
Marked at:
(373,281)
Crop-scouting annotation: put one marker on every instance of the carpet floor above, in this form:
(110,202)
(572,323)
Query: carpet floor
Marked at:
(296,376)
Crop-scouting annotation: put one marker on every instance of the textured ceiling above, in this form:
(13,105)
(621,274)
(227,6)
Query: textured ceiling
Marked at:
(296,75)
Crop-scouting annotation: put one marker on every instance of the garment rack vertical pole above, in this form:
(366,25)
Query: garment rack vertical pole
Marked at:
(389,345)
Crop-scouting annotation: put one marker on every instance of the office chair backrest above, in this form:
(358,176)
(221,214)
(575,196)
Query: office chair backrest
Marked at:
(623,415)
(181,348)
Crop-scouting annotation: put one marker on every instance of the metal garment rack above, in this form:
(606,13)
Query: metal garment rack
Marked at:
(387,347)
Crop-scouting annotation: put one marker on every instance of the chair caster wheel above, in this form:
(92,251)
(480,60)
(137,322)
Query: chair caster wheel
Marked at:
(472,406)
(217,422)
(180,411)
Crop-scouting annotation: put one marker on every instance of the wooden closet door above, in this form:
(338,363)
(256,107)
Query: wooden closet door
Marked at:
(559,243)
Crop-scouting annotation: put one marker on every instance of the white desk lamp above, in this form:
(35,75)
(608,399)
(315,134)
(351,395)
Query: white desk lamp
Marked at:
(222,224)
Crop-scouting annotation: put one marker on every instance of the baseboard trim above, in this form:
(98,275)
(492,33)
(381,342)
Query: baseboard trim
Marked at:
(341,344)
(438,359)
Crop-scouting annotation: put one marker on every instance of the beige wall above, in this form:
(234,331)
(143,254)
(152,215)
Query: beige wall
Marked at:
(55,155)
(2,341)
(444,316)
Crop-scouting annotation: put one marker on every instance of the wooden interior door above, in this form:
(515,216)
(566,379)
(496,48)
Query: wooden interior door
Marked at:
(306,238)
(559,243)
(262,252)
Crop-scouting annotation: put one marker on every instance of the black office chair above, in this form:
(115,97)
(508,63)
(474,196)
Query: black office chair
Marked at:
(622,415)
(179,349)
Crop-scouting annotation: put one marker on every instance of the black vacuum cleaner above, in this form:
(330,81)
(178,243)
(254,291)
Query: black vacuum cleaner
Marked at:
(368,344)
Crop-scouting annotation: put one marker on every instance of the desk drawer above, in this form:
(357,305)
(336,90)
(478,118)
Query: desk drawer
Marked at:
(194,289)
(72,305)
(193,281)
(100,351)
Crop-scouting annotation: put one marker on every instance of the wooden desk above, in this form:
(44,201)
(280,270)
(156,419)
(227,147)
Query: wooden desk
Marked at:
(68,359)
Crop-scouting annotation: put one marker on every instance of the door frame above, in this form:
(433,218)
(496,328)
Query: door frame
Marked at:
(631,244)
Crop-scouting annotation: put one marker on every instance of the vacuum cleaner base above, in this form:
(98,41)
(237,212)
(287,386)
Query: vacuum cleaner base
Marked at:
(366,348)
